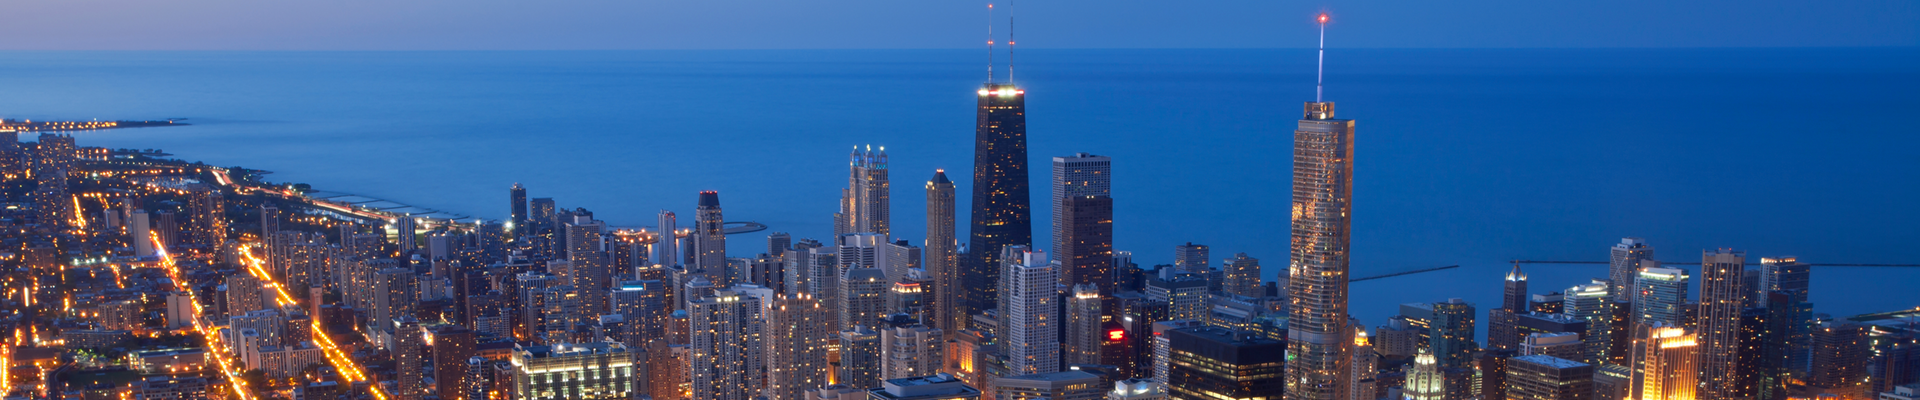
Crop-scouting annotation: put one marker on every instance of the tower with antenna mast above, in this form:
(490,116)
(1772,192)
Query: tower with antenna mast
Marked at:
(1001,212)
(1318,366)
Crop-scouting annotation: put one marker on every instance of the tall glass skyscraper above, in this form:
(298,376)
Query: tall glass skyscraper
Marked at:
(1317,338)
(1001,214)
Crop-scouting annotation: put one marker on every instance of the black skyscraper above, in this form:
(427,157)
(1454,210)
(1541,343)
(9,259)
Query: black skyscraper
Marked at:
(1001,215)
(518,196)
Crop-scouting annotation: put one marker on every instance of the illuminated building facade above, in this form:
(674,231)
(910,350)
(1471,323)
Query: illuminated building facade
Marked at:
(1321,230)
(1001,212)
(1451,331)
(1083,219)
(1425,381)
(866,203)
(860,357)
(1624,262)
(726,334)
(667,242)
(1594,304)
(1218,363)
(798,329)
(949,314)
(1668,362)
(1503,322)
(863,298)
(1030,310)
(1660,295)
(599,370)
(409,369)
(1243,276)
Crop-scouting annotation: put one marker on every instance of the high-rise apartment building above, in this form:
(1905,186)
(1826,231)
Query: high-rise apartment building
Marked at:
(910,351)
(407,363)
(666,245)
(942,259)
(1083,232)
(710,239)
(594,370)
(1451,334)
(798,330)
(1001,212)
(1840,355)
(395,294)
(1548,378)
(1029,311)
(866,203)
(244,294)
(726,335)
(1321,230)
(1661,295)
(1721,298)
(860,357)
(1085,332)
(863,298)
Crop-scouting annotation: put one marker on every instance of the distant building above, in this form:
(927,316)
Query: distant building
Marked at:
(600,370)
(1031,309)
(1061,385)
(933,387)
(1208,361)
(1548,378)
(1137,389)
(1243,276)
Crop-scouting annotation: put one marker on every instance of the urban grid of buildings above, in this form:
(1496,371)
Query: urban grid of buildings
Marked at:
(136,276)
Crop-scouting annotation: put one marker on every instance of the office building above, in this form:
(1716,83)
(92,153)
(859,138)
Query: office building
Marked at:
(1565,345)
(1209,362)
(1662,295)
(1542,377)
(1139,389)
(1425,380)
(1721,298)
(1243,276)
(1030,310)
(1667,361)
(1184,294)
(1191,258)
(910,351)
(1001,215)
(1082,201)
(1061,385)
(941,256)
(1321,230)
(710,240)
(1593,304)
(1789,276)
(1503,322)
(1085,326)
(517,210)
(597,370)
(798,330)
(932,387)
(1451,334)
(1840,355)
(1624,263)
(725,333)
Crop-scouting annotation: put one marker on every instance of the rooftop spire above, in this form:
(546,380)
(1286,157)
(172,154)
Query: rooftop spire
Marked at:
(1009,41)
(989,42)
(1320,69)
(1516,274)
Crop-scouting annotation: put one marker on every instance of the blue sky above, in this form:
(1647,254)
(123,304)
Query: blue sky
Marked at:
(782,24)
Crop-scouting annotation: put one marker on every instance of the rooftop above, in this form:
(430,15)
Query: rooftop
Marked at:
(1550,361)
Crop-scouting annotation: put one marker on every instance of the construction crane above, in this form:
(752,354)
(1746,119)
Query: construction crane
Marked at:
(1383,276)
(1751,263)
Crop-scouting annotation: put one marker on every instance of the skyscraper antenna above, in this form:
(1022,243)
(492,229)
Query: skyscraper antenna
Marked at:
(1009,41)
(1320,69)
(989,42)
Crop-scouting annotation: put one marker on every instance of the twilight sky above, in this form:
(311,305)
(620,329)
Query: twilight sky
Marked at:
(786,24)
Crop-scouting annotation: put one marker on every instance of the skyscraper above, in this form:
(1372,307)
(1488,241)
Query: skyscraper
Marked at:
(1662,295)
(666,245)
(1452,332)
(1425,381)
(862,300)
(1243,276)
(941,260)
(1086,255)
(1321,230)
(710,239)
(798,329)
(1214,363)
(406,358)
(1503,323)
(1029,311)
(860,354)
(1668,363)
(1192,258)
(517,199)
(1721,298)
(910,351)
(1593,303)
(1078,176)
(1624,263)
(1789,276)
(1000,213)
(1085,331)
(727,348)
(1840,355)
(866,204)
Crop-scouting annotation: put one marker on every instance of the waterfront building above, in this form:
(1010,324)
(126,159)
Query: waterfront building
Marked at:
(1624,263)
(1243,276)
(710,240)
(1503,323)
(798,330)
(1593,304)
(1541,377)
(860,357)
(1321,230)
(910,351)
(1085,333)
(1060,385)
(1661,295)
(1030,310)
(595,370)
(1667,363)
(726,336)
(933,387)
(1082,200)
(1721,298)
(1001,214)
(942,260)
(1208,362)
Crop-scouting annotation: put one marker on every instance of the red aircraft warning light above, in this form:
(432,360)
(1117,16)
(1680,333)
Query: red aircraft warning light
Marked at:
(1323,18)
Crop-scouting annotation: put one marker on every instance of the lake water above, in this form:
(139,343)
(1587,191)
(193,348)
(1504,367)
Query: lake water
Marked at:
(1468,157)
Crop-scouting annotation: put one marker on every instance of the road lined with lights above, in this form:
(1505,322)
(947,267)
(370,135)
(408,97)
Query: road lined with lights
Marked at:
(213,340)
(337,358)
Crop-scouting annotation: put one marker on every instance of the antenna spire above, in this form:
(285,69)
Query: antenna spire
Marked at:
(1009,41)
(989,42)
(1320,69)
